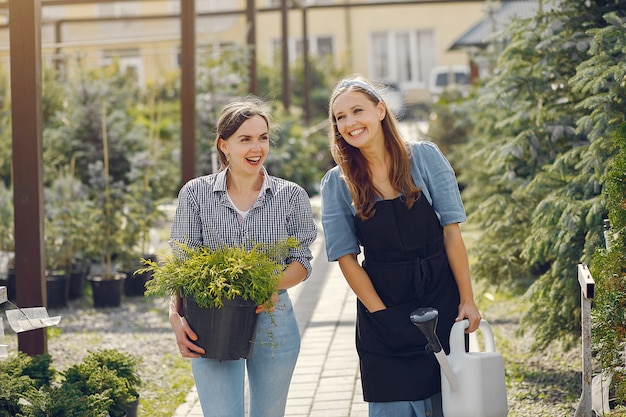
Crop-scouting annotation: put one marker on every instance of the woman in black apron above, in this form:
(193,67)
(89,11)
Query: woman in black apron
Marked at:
(401,204)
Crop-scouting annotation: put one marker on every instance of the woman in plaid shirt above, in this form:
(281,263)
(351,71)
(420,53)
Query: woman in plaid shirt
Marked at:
(243,204)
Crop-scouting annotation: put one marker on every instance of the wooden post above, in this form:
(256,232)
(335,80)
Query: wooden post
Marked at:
(586,295)
(284,12)
(307,69)
(188,89)
(251,46)
(26,121)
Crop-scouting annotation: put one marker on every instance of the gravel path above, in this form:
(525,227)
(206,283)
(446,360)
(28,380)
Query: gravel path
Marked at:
(140,327)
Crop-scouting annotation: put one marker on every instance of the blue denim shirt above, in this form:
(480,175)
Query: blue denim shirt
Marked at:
(430,170)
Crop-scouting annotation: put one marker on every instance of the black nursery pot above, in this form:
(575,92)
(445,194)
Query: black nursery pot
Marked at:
(135,285)
(57,290)
(225,333)
(107,292)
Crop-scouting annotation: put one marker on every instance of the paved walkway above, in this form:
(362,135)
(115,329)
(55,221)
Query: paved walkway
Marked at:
(326,379)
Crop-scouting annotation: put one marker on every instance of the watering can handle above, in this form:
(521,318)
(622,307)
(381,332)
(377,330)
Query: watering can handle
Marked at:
(457,337)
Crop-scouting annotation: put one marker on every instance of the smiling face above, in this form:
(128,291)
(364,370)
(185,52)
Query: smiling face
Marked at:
(248,146)
(358,118)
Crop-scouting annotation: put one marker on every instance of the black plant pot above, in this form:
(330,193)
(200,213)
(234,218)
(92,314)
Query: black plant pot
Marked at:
(77,280)
(107,292)
(132,408)
(225,333)
(57,290)
(135,285)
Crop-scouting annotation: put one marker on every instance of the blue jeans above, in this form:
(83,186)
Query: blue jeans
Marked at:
(220,384)
(430,407)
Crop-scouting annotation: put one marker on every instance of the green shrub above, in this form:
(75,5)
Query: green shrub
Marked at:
(103,384)
(209,276)
(65,400)
(110,373)
(609,272)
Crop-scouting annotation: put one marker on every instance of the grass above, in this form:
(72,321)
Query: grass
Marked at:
(162,400)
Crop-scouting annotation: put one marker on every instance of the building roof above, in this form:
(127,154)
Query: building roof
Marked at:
(494,22)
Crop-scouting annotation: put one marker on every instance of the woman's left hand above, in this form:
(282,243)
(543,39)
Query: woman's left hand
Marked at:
(266,306)
(468,310)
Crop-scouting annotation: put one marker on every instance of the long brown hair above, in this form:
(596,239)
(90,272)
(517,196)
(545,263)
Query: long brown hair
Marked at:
(353,165)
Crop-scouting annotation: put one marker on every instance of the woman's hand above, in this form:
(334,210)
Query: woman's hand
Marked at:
(184,337)
(468,310)
(266,306)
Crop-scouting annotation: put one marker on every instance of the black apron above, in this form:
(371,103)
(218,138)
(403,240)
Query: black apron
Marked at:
(407,264)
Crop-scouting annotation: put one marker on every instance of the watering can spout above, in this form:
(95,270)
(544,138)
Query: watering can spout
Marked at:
(425,318)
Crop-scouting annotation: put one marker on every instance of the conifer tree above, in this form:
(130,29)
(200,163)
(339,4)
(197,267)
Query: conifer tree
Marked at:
(536,159)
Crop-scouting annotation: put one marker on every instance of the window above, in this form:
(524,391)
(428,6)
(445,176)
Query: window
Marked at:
(318,46)
(52,12)
(204,5)
(129,60)
(404,57)
(118,9)
(278,3)
(324,46)
(380,61)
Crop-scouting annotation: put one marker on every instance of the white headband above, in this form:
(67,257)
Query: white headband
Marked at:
(365,86)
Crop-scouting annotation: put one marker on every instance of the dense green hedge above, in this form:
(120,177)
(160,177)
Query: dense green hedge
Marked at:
(536,154)
(609,271)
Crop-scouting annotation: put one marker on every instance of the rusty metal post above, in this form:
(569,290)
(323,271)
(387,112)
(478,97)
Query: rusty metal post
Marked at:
(188,89)
(251,46)
(587,286)
(26,122)
(284,13)
(306,66)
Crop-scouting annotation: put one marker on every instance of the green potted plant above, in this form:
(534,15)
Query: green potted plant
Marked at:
(29,389)
(110,372)
(68,220)
(21,376)
(64,400)
(141,213)
(227,283)
(104,384)
(107,282)
(126,366)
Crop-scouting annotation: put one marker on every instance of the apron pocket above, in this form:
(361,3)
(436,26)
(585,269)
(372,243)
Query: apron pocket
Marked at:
(393,331)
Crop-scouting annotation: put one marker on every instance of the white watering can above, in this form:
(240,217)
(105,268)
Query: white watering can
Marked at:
(472,383)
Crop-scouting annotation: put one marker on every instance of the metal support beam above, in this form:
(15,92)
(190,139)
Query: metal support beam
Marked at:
(251,47)
(307,68)
(188,89)
(284,13)
(587,287)
(26,123)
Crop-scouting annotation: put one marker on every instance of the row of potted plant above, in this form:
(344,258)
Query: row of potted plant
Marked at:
(103,225)
(105,383)
(81,237)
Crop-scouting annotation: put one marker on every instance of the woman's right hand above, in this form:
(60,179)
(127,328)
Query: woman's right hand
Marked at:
(184,336)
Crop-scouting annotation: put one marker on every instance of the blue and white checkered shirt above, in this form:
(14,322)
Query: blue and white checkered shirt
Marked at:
(205,217)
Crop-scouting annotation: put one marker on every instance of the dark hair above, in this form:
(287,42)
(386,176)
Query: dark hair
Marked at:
(232,117)
(352,163)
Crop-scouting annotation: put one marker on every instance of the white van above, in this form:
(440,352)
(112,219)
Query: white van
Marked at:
(449,77)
